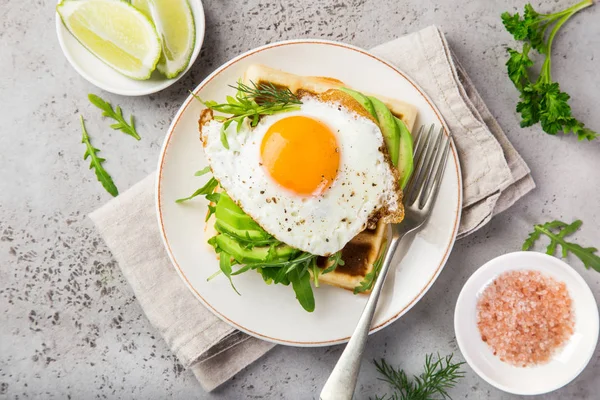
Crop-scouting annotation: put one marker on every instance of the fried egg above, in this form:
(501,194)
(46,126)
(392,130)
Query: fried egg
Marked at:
(312,178)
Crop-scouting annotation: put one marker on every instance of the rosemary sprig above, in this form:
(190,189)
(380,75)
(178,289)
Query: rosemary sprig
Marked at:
(116,114)
(438,377)
(96,162)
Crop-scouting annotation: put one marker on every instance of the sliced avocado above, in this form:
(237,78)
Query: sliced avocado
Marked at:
(256,254)
(229,212)
(247,235)
(227,202)
(405,159)
(362,99)
(389,128)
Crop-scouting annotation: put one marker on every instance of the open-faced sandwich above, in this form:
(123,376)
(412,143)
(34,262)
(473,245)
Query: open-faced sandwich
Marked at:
(306,172)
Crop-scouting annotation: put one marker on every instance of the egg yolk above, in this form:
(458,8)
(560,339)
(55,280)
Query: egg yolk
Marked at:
(301,154)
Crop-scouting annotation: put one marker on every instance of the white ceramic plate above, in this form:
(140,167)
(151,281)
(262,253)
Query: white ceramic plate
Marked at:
(101,75)
(565,365)
(272,312)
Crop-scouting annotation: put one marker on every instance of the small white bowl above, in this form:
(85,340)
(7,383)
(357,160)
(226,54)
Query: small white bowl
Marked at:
(568,361)
(101,75)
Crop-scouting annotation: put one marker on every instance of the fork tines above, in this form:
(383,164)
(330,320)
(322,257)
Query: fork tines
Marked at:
(430,155)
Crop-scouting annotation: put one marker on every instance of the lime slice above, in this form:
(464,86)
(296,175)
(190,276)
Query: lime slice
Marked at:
(115,32)
(175,25)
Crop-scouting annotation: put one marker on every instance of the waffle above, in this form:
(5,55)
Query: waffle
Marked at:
(360,253)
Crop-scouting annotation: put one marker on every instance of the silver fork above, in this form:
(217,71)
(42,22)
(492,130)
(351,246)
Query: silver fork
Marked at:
(430,155)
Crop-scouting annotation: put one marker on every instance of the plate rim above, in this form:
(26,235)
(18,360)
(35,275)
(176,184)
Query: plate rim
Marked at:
(497,262)
(163,153)
(160,85)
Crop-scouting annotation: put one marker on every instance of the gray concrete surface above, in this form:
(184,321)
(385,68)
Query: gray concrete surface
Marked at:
(70,326)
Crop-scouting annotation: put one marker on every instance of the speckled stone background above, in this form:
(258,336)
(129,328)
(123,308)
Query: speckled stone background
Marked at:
(70,326)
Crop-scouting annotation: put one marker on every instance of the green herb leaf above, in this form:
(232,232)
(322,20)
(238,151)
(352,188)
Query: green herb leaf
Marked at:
(335,260)
(557,231)
(367,283)
(203,171)
(301,283)
(541,100)
(208,188)
(225,266)
(518,65)
(251,101)
(96,162)
(438,377)
(116,114)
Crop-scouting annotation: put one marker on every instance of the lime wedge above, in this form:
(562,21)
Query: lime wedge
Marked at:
(175,25)
(115,32)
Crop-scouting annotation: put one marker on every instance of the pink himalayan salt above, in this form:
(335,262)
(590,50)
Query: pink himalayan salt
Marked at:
(525,316)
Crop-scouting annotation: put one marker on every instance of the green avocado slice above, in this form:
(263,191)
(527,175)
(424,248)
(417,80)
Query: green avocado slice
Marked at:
(405,162)
(389,128)
(245,255)
(362,99)
(246,235)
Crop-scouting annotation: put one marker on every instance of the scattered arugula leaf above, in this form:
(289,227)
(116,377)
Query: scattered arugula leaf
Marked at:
(251,101)
(116,114)
(96,162)
(557,231)
(369,280)
(541,100)
(438,377)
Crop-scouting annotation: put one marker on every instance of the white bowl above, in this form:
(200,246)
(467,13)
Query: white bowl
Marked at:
(101,75)
(565,364)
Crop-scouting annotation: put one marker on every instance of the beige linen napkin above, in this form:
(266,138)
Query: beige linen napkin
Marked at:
(494,177)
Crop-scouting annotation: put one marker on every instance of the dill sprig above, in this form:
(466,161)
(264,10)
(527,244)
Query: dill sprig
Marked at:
(267,94)
(251,101)
(438,377)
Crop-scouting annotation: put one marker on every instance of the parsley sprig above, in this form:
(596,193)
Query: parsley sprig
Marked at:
(116,114)
(251,101)
(96,162)
(541,100)
(557,231)
(438,377)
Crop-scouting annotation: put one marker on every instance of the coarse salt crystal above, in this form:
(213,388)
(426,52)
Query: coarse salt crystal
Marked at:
(525,316)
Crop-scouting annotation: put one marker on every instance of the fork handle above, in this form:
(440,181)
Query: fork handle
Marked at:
(341,383)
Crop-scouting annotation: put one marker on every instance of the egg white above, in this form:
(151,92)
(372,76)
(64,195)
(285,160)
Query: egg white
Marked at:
(320,224)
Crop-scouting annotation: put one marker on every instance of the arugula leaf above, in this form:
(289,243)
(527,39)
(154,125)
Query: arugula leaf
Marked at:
(208,188)
(541,100)
(117,115)
(300,279)
(96,162)
(585,254)
(225,266)
(367,283)
(335,259)
(437,378)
